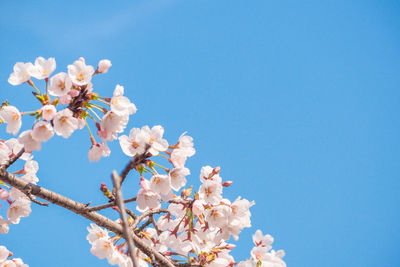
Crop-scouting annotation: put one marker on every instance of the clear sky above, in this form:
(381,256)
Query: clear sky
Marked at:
(297,101)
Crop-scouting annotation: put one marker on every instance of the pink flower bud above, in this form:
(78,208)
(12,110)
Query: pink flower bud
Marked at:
(103,66)
(227,183)
(4,194)
(73,93)
(230,246)
(65,99)
(216,170)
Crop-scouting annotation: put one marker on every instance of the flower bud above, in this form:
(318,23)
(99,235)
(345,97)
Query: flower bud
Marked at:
(65,99)
(227,183)
(73,93)
(4,194)
(103,66)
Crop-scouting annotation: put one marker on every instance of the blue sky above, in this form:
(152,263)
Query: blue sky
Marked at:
(297,101)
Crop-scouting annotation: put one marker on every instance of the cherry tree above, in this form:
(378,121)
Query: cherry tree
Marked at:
(174,224)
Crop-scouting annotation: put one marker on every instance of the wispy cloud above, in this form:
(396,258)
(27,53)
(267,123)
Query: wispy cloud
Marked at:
(92,29)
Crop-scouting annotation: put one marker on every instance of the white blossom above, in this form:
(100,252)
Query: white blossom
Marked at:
(178,177)
(96,232)
(60,84)
(4,252)
(80,73)
(161,184)
(4,228)
(11,116)
(22,73)
(102,248)
(48,112)
(133,144)
(29,143)
(97,151)
(147,198)
(120,104)
(64,123)
(112,124)
(155,140)
(43,68)
(210,191)
(21,207)
(42,131)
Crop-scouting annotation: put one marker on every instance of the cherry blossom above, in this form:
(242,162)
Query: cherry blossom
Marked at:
(64,123)
(60,84)
(182,223)
(98,151)
(147,198)
(43,68)
(48,112)
(80,73)
(11,116)
(28,141)
(42,131)
(22,73)
(21,207)
(120,104)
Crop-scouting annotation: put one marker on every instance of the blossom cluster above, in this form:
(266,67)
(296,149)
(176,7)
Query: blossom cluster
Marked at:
(19,205)
(6,262)
(192,226)
(74,102)
(185,225)
(262,255)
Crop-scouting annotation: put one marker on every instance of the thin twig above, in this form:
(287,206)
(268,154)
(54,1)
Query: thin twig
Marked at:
(33,199)
(151,218)
(108,205)
(142,216)
(147,223)
(133,163)
(119,199)
(130,213)
(14,159)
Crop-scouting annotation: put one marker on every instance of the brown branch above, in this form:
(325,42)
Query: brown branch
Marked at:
(108,205)
(145,214)
(183,202)
(133,163)
(14,159)
(119,199)
(141,228)
(80,209)
(151,218)
(130,213)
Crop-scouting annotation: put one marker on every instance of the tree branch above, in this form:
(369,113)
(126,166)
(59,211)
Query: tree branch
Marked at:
(145,214)
(133,163)
(80,209)
(108,205)
(14,159)
(119,199)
